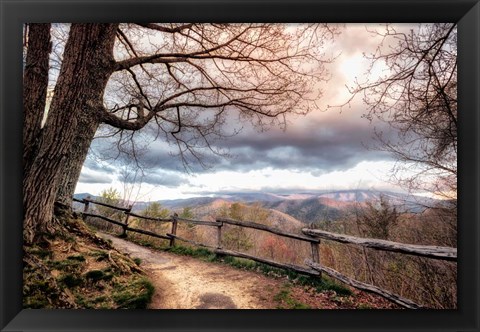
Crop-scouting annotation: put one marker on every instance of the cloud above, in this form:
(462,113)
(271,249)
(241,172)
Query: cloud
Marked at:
(96,165)
(86,177)
(162,178)
(320,145)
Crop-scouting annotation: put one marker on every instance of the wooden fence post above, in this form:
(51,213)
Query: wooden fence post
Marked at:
(174,229)
(219,235)
(316,254)
(124,233)
(85,208)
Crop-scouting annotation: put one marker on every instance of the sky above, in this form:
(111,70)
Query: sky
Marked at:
(327,149)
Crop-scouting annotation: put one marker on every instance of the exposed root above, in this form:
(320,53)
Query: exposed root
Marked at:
(123,263)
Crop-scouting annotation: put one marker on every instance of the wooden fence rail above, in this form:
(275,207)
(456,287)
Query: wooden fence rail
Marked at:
(435,252)
(311,236)
(272,230)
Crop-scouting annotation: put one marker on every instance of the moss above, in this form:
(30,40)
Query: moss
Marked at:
(134,296)
(67,265)
(39,292)
(99,255)
(83,302)
(70,280)
(94,275)
(79,258)
(107,276)
(35,302)
(40,252)
(100,299)
(137,261)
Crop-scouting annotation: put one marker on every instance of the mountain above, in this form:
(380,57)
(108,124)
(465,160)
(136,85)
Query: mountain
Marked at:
(212,209)
(307,210)
(304,206)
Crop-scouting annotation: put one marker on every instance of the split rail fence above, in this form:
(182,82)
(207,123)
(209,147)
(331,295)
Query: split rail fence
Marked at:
(311,236)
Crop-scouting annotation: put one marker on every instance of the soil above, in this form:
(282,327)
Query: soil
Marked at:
(183,282)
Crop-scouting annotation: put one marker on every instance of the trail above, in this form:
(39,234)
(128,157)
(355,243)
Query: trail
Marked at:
(183,282)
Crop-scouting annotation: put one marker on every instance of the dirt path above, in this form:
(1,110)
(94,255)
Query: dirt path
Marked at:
(183,282)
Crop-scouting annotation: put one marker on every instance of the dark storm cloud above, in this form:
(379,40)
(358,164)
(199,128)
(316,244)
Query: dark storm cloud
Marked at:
(160,156)
(315,143)
(320,146)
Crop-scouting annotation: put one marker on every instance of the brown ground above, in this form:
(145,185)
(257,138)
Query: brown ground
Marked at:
(183,282)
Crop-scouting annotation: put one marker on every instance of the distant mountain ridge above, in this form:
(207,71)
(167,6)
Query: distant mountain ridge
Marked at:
(306,207)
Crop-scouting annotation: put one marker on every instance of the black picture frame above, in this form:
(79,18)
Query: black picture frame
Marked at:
(15,13)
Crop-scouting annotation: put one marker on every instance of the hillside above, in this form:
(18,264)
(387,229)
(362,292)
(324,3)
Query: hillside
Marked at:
(308,210)
(275,218)
(77,269)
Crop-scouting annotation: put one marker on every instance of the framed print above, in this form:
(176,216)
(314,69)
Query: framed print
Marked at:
(271,155)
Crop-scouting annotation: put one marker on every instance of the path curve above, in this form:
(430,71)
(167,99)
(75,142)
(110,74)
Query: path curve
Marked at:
(183,282)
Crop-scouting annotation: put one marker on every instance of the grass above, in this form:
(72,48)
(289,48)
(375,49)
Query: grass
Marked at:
(67,265)
(202,253)
(285,300)
(136,295)
(99,255)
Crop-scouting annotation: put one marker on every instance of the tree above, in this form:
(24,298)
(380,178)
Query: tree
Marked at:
(181,80)
(275,248)
(112,197)
(155,210)
(378,218)
(235,237)
(187,213)
(417,97)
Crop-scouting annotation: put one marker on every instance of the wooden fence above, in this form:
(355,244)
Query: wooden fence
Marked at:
(311,236)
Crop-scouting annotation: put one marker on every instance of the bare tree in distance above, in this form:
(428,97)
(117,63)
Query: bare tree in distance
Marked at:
(417,96)
(181,80)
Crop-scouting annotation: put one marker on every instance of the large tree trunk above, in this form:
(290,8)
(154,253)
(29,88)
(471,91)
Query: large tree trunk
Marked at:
(87,65)
(35,83)
(73,168)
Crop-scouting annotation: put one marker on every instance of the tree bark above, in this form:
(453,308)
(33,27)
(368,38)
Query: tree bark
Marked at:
(35,83)
(87,65)
(73,168)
